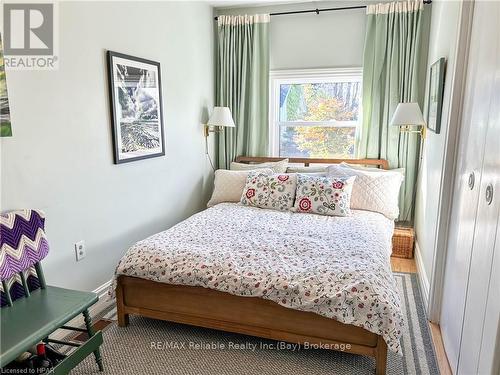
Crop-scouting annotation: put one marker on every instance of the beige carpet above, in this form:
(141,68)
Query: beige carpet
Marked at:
(150,346)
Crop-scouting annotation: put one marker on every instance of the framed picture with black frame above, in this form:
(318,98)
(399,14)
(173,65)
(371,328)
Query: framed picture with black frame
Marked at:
(435,99)
(135,94)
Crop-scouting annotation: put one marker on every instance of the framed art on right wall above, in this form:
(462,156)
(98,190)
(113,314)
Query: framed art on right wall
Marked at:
(435,100)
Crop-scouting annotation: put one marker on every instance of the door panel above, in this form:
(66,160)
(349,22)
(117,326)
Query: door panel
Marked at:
(479,89)
(481,277)
(489,359)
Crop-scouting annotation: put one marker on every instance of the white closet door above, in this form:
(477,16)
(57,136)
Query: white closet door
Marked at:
(489,359)
(475,324)
(467,192)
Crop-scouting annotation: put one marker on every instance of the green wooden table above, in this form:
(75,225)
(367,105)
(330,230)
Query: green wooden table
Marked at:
(31,320)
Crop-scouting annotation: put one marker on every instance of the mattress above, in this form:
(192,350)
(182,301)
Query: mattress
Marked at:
(337,267)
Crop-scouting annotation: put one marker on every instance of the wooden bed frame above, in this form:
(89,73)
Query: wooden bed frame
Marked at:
(248,315)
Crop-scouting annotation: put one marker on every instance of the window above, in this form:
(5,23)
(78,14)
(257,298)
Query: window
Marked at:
(315,113)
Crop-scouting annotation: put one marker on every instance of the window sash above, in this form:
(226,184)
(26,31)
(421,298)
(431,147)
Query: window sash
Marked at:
(278,78)
(323,124)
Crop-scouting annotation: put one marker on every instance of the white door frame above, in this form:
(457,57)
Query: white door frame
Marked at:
(449,161)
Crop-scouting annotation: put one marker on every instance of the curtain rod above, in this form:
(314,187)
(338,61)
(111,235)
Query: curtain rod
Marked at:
(318,11)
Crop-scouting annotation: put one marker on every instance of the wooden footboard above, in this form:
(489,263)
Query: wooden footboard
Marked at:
(246,315)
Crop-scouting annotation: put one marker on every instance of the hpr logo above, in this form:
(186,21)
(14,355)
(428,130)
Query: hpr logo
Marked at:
(29,29)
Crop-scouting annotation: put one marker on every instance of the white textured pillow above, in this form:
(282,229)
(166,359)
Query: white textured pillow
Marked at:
(318,171)
(228,185)
(372,169)
(372,190)
(277,166)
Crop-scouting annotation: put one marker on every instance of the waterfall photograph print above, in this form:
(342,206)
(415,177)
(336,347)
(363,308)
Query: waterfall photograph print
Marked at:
(5,125)
(136,107)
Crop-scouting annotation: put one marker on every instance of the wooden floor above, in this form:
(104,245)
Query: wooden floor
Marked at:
(408,265)
(98,325)
(444,365)
(403,265)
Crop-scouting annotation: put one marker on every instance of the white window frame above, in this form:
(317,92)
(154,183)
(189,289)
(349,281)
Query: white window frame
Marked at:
(279,77)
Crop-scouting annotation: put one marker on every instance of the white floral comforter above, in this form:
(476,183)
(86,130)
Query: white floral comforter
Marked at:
(337,267)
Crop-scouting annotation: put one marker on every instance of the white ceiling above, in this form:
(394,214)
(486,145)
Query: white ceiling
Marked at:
(249,3)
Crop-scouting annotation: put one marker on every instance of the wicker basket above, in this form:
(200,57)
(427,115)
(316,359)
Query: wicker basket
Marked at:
(402,242)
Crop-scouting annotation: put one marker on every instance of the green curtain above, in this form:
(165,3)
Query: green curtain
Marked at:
(393,72)
(242,84)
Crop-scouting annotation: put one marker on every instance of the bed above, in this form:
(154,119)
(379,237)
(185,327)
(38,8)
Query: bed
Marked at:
(301,278)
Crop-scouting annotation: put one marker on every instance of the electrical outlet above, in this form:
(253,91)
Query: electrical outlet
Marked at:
(80,250)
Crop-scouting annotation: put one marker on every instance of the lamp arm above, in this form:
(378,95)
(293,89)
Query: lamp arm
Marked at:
(212,129)
(207,152)
(421,131)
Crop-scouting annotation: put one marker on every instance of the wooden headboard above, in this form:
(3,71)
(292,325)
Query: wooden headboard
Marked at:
(380,163)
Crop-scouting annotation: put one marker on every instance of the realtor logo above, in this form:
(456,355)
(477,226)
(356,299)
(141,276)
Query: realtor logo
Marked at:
(29,29)
(29,36)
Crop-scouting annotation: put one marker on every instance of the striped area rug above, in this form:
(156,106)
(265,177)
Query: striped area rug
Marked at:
(150,346)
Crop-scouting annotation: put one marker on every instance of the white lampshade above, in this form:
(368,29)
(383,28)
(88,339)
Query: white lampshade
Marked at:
(221,116)
(407,114)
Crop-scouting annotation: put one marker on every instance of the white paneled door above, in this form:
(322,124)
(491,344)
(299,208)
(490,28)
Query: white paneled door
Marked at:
(470,297)
(489,357)
(488,208)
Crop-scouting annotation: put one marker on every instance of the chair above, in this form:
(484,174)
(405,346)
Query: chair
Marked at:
(32,310)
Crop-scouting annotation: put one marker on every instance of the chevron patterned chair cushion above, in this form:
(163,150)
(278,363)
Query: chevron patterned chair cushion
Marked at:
(22,241)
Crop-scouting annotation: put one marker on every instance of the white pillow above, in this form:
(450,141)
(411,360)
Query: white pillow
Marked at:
(317,171)
(229,185)
(372,190)
(372,169)
(277,166)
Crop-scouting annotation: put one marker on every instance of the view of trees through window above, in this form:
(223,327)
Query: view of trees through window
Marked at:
(318,119)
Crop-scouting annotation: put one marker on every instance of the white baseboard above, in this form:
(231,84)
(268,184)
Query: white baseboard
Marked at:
(103,303)
(102,291)
(422,276)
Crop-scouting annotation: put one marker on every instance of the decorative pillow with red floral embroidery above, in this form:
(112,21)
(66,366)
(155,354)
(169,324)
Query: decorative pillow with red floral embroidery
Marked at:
(276,192)
(323,195)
